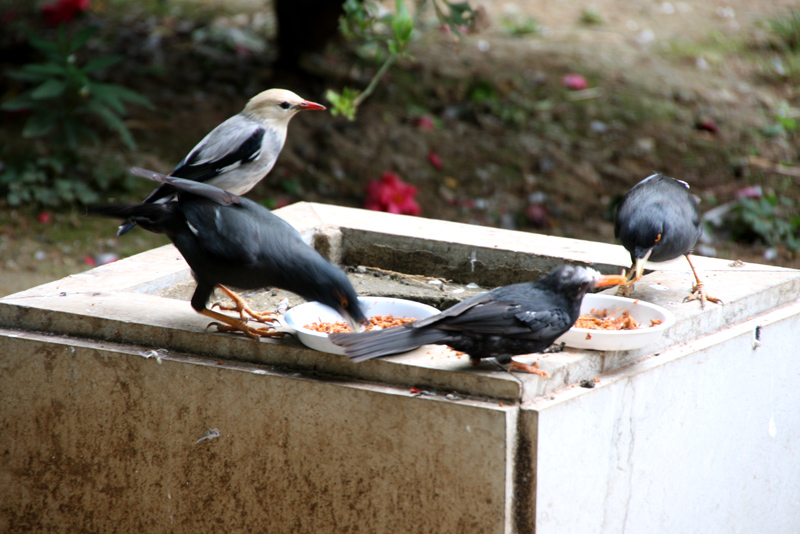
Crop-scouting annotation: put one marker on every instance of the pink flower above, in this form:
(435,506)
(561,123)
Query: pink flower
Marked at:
(435,159)
(707,125)
(392,195)
(425,122)
(63,11)
(574,82)
(44,217)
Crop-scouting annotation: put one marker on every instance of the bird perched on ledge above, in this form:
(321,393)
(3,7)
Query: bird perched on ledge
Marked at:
(507,321)
(659,220)
(241,151)
(230,240)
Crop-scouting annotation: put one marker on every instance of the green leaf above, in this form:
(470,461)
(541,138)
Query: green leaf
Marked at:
(23,101)
(114,122)
(49,89)
(402,24)
(343,104)
(82,37)
(101,63)
(26,76)
(47,69)
(47,47)
(39,124)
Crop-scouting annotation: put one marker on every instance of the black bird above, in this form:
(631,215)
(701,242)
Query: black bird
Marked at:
(230,240)
(507,321)
(659,220)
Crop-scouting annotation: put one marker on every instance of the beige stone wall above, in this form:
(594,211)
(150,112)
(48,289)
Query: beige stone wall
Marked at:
(97,438)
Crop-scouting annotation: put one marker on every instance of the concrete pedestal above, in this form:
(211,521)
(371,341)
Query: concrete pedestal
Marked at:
(120,412)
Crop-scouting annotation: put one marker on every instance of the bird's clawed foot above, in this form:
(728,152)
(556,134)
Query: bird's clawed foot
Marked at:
(699,293)
(532,368)
(626,288)
(254,332)
(225,323)
(242,308)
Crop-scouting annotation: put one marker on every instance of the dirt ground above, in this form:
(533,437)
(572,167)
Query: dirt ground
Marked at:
(518,150)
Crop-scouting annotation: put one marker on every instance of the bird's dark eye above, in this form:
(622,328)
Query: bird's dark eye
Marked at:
(285,105)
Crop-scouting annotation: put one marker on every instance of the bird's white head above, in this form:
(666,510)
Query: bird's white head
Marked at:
(278,106)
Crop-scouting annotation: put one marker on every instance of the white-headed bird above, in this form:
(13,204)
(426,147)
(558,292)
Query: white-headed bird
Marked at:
(507,321)
(241,151)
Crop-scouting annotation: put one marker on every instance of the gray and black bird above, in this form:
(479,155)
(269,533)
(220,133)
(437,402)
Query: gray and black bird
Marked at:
(240,151)
(659,220)
(510,320)
(228,240)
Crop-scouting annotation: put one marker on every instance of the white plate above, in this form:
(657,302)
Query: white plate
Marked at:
(642,312)
(313,312)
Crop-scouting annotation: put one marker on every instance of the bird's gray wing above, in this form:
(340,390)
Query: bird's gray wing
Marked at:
(234,142)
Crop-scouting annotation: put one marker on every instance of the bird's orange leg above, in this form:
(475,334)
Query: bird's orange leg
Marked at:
(242,308)
(533,368)
(698,290)
(225,323)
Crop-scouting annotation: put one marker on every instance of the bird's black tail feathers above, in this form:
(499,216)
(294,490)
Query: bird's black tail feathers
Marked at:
(156,218)
(368,345)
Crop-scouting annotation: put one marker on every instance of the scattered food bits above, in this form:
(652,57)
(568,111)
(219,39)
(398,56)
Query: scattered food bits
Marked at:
(588,336)
(655,322)
(600,321)
(376,322)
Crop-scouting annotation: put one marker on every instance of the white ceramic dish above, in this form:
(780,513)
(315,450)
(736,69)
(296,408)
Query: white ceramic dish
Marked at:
(642,312)
(314,312)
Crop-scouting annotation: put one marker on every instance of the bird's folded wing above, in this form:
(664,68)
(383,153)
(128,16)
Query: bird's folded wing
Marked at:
(232,143)
(453,311)
(545,323)
(226,231)
(489,318)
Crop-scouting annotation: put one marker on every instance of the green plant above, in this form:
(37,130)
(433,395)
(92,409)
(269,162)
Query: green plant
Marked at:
(393,31)
(65,95)
(519,25)
(769,219)
(786,28)
(591,16)
(43,181)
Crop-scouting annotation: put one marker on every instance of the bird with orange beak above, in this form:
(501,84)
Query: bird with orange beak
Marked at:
(241,151)
(507,321)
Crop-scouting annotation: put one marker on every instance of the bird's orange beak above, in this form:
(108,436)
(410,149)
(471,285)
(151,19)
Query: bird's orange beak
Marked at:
(610,280)
(309,106)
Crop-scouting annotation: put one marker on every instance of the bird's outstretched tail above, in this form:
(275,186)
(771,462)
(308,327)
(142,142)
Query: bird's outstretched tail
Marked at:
(157,218)
(368,345)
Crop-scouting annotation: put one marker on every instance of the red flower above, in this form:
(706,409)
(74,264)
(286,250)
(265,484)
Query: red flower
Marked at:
(63,11)
(391,194)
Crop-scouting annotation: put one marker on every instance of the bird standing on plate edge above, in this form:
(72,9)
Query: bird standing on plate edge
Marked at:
(659,220)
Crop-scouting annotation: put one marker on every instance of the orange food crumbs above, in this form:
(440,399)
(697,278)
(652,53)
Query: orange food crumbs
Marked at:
(376,322)
(600,321)
(588,336)
(655,322)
